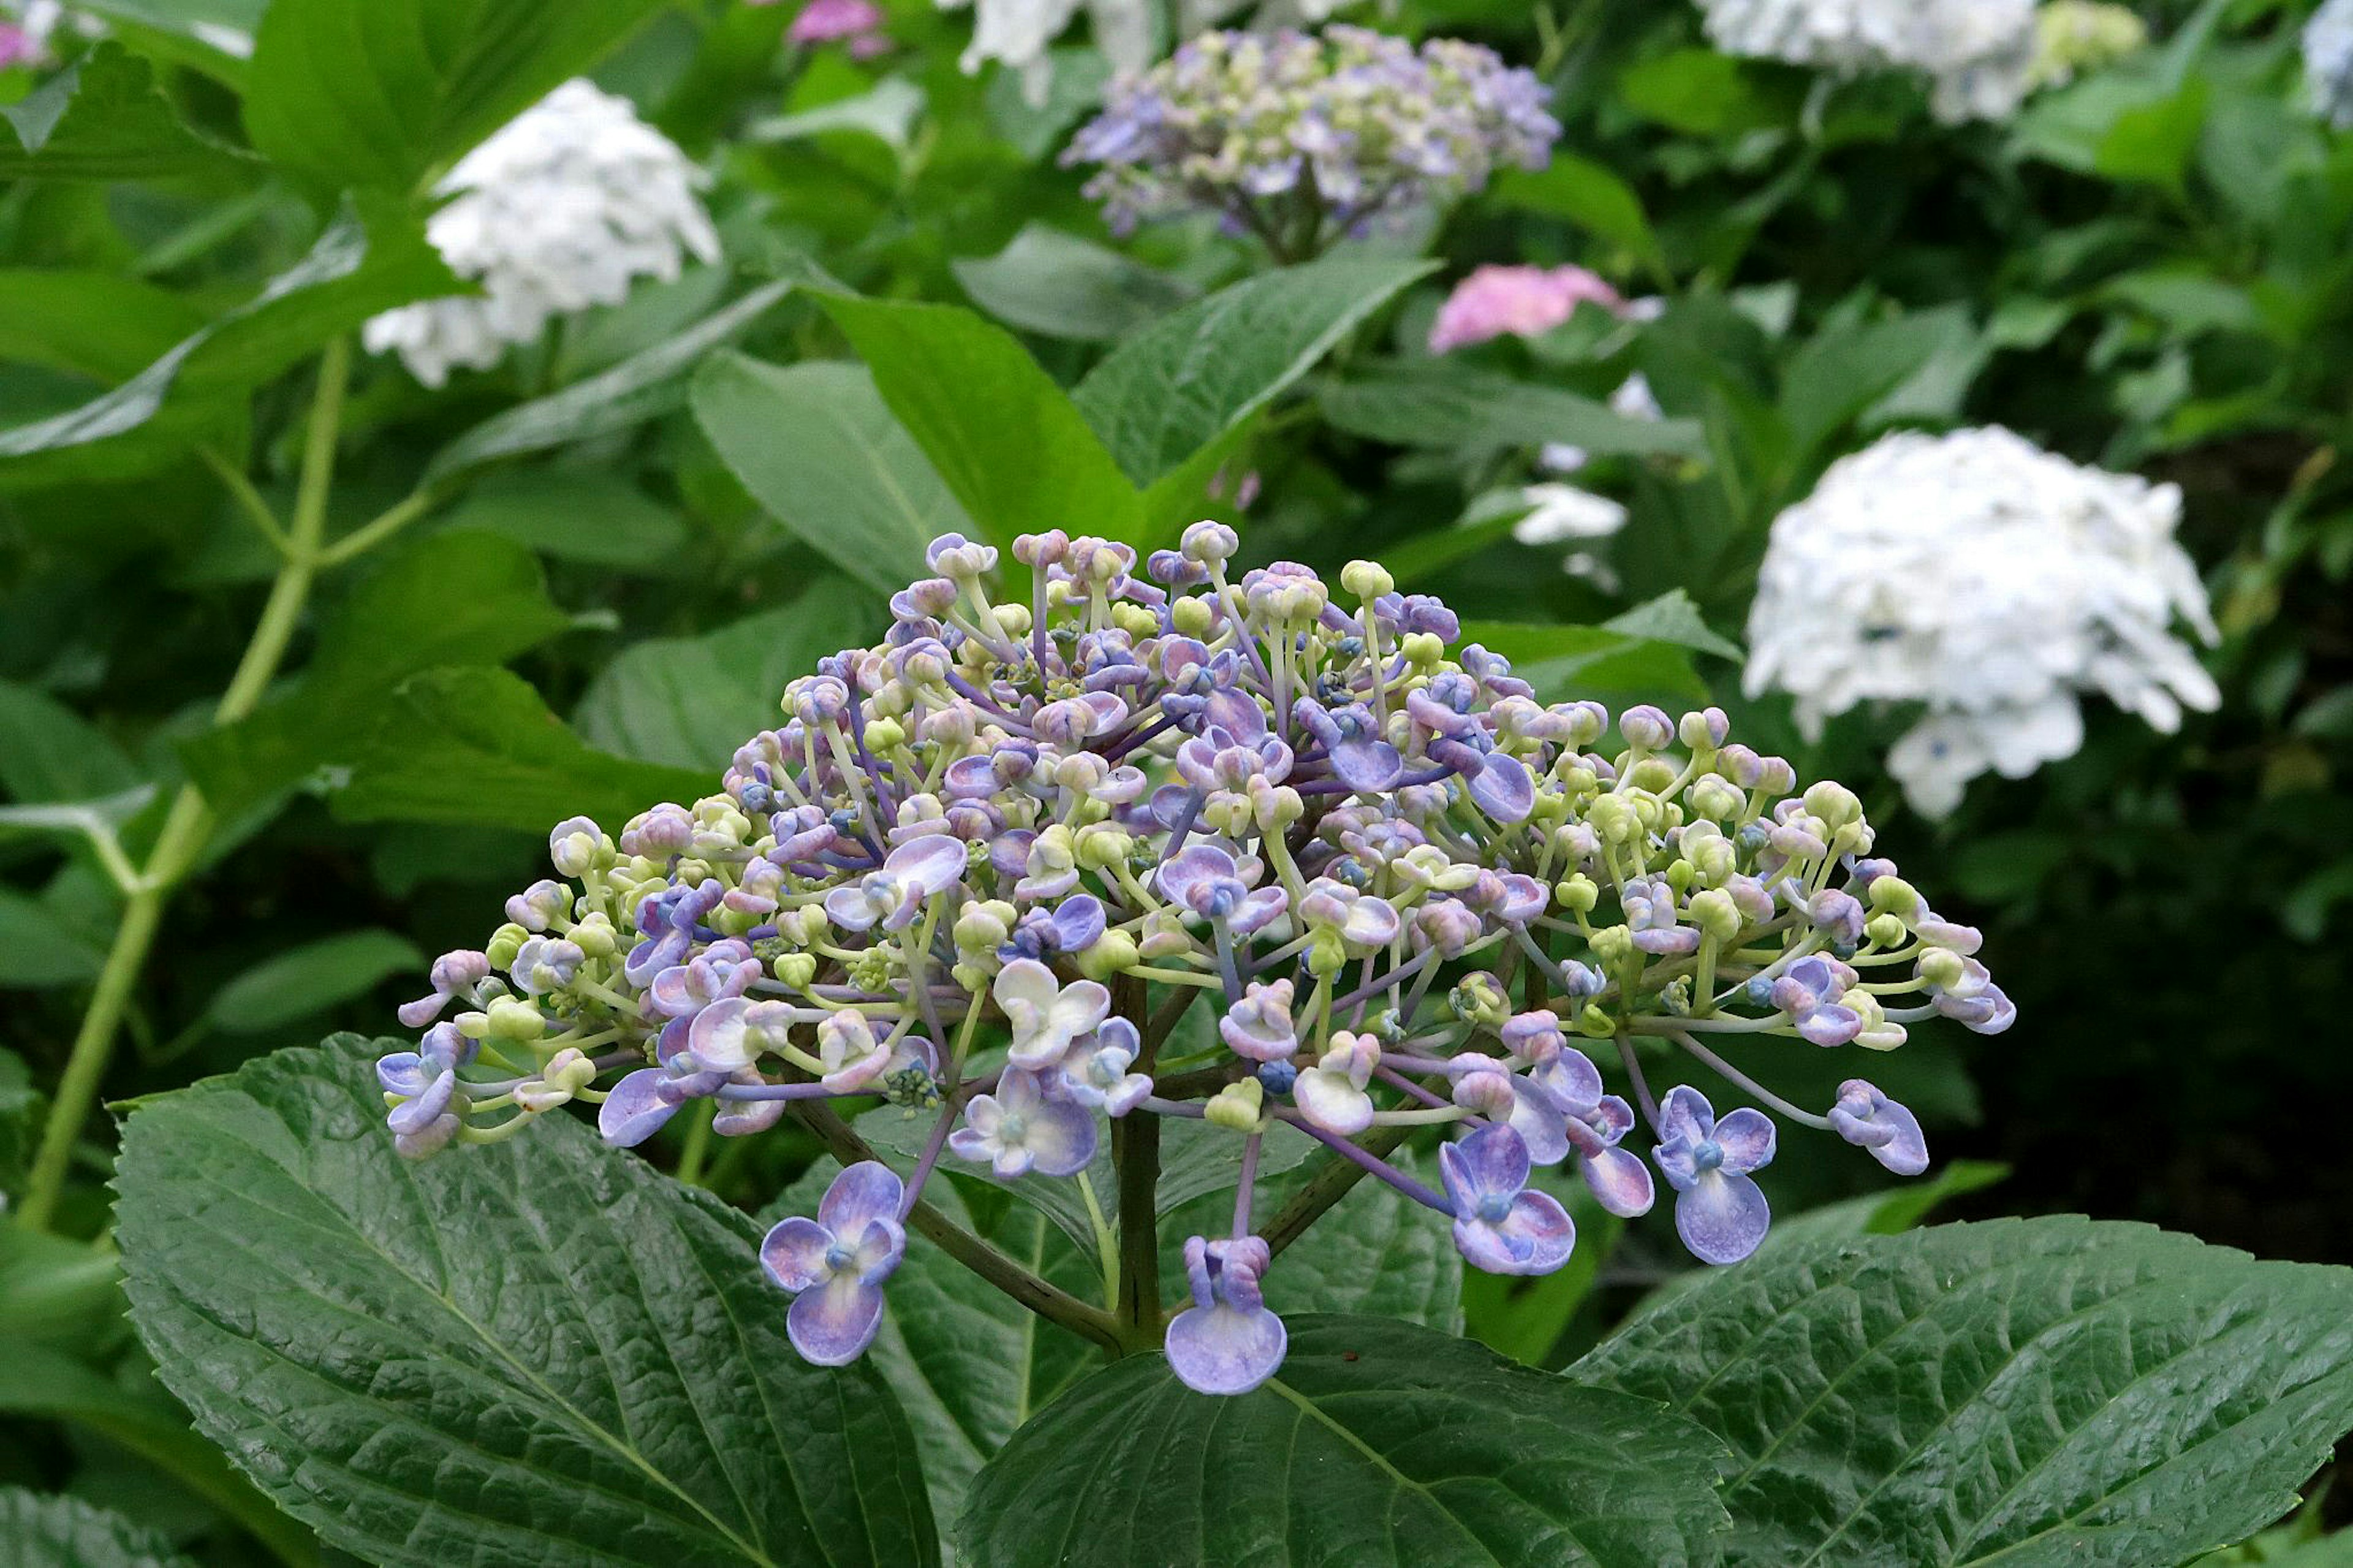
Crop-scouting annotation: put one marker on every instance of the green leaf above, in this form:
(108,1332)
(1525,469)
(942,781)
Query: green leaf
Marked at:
(373,258)
(644,386)
(101,119)
(1570,662)
(385,92)
(451,599)
(1378,1443)
(1587,194)
(2049,1391)
(1837,375)
(93,324)
(479,748)
(692,701)
(816,445)
(38,949)
(888,114)
(587,515)
(312,978)
(1474,411)
(1671,618)
(38,1532)
(50,753)
(1700,93)
(1060,285)
(1011,447)
(38,1384)
(540,1351)
(1180,383)
(58,1294)
(21,1108)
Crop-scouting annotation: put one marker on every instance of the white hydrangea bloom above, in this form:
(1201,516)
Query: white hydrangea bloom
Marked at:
(1018,34)
(2328,63)
(563,208)
(1990,580)
(1558,513)
(1976,54)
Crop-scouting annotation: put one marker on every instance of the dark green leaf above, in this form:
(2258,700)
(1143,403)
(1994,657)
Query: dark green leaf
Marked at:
(1009,445)
(65,1533)
(384,92)
(50,753)
(1701,93)
(1671,618)
(1587,194)
(101,119)
(2050,1391)
(92,324)
(312,978)
(692,701)
(1378,1443)
(542,1351)
(641,388)
(1569,661)
(1834,377)
(586,515)
(1477,411)
(479,748)
(370,260)
(1059,285)
(818,448)
(37,948)
(1182,383)
(888,114)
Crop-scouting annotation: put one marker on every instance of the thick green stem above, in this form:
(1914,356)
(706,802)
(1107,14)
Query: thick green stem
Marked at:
(1135,1154)
(188,825)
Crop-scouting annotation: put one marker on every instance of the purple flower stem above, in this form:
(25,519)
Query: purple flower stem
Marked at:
(1750,1085)
(1365,992)
(1249,1185)
(1397,1079)
(782,1092)
(930,1156)
(1642,1096)
(1373,1164)
(1134,738)
(1159,1107)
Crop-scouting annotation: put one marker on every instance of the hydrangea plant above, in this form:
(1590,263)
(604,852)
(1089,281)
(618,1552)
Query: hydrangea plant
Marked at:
(1418,899)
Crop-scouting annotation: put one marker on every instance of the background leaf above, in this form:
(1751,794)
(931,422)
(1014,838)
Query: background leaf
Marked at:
(2050,1391)
(66,1532)
(509,1356)
(101,119)
(1474,411)
(1377,1443)
(311,978)
(1060,285)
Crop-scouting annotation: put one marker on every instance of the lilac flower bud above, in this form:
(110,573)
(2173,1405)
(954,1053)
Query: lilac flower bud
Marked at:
(574,844)
(1226,1342)
(1210,542)
(1869,1120)
(1258,1026)
(1039,551)
(953,556)
(1646,728)
(540,905)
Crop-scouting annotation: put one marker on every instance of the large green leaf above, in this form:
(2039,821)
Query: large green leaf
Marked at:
(817,447)
(1010,445)
(101,119)
(1180,383)
(1060,285)
(1377,1443)
(2049,1391)
(94,324)
(38,1532)
(577,515)
(50,753)
(479,748)
(692,701)
(311,978)
(37,948)
(1589,195)
(373,258)
(384,92)
(542,1351)
(647,384)
(1455,408)
(453,598)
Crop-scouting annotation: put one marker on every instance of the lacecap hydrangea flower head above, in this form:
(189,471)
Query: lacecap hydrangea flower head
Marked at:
(1977,54)
(983,870)
(1994,583)
(563,208)
(1302,139)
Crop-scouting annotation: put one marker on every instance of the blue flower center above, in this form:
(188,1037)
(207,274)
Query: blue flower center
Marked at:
(1493,1208)
(1010,1129)
(1708,1155)
(837,1256)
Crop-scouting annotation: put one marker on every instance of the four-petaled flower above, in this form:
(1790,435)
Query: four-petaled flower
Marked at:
(1045,1015)
(1018,1129)
(1720,1211)
(894,896)
(1499,1224)
(1809,992)
(1095,1075)
(1226,1342)
(1331,1094)
(430,1103)
(834,1264)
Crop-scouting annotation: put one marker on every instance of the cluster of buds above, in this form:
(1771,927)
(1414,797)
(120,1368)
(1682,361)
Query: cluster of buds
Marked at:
(984,870)
(1302,139)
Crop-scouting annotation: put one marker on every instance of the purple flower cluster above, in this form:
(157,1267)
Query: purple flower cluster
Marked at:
(983,870)
(1300,139)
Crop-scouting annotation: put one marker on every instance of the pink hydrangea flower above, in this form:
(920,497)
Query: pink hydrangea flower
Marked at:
(832,21)
(1521,300)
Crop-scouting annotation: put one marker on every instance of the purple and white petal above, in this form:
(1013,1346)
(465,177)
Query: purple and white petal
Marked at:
(794,1253)
(633,1112)
(833,1324)
(1619,1182)
(1746,1138)
(1721,1216)
(858,1196)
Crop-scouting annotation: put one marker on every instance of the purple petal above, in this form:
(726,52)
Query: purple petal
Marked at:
(405,1073)
(862,1194)
(794,1253)
(1078,922)
(1503,789)
(1199,864)
(1571,1080)
(934,863)
(1830,1024)
(427,1107)
(846,907)
(1221,1350)
(1491,1160)
(1541,1124)
(1685,1113)
(1865,1116)
(1366,765)
(1619,1181)
(1061,1135)
(1536,1237)
(1721,1216)
(833,1325)
(1235,712)
(1746,1138)
(633,1112)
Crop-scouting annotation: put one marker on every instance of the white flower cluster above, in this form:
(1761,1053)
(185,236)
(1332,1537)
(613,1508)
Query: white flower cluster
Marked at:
(563,208)
(2328,63)
(1991,581)
(1019,34)
(1978,53)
